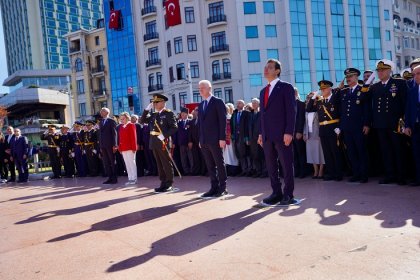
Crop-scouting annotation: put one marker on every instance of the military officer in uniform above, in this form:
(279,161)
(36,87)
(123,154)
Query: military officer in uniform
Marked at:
(90,144)
(53,139)
(78,148)
(327,107)
(66,151)
(162,124)
(355,124)
(388,101)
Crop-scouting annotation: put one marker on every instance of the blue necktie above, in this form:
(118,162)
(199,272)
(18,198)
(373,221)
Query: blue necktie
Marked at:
(205,105)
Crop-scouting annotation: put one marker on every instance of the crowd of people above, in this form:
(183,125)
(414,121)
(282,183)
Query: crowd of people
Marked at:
(360,129)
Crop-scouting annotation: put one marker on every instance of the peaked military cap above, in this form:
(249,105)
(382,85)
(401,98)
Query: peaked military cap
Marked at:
(384,64)
(415,61)
(406,74)
(367,71)
(184,110)
(78,123)
(90,122)
(323,84)
(351,71)
(159,97)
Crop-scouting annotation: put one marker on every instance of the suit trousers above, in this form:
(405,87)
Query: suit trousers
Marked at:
(357,152)
(276,152)
(92,160)
(186,159)
(257,155)
(55,161)
(415,142)
(392,153)
(164,166)
(108,158)
(241,154)
(10,166)
(130,164)
(299,151)
(22,168)
(332,155)
(213,156)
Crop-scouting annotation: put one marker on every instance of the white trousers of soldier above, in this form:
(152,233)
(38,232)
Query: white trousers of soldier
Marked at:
(130,164)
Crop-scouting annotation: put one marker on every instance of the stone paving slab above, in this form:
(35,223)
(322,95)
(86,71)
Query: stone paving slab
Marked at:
(81,229)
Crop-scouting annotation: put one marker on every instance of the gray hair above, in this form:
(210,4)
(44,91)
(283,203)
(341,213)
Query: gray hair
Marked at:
(135,116)
(105,109)
(125,114)
(255,100)
(205,82)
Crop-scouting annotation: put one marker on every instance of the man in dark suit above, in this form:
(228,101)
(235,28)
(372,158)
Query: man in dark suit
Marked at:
(182,142)
(257,153)
(212,122)
(108,145)
(388,100)
(239,124)
(299,146)
(198,164)
(278,116)
(9,164)
(412,121)
(355,122)
(20,151)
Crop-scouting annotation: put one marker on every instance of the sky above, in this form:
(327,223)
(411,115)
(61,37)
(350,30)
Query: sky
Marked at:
(3,61)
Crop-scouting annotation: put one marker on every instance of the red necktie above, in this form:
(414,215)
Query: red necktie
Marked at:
(266,93)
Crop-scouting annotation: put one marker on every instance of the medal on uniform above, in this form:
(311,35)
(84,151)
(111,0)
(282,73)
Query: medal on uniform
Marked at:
(332,109)
(393,94)
(358,94)
(357,101)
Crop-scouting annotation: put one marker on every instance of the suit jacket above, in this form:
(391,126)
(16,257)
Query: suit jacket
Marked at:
(139,136)
(7,142)
(279,117)
(254,126)
(212,121)
(300,116)
(194,132)
(412,109)
(388,103)
(240,132)
(20,147)
(107,134)
(355,109)
(182,133)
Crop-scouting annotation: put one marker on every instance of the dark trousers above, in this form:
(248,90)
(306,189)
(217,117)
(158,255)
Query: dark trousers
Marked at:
(108,158)
(197,160)
(213,156)
(140,161)
(150,161)
(392,153)
(10,167)
(22,168)
(186,158)
(333,156)
(357,152)
(257,156)
(164,166)
(68,162)
(55,161)
(299,153)
(242,155)
(80,160)
(92,161)
(415,142)
(275,153)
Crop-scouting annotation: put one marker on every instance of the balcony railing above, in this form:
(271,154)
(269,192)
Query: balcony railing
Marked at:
(219,76)
(216,77)
(98,69)
(157,87)
(148,10)
(151,36)
(74,49)
(216,18)
(227,75)
(99,92)
(219,48)
(153,62)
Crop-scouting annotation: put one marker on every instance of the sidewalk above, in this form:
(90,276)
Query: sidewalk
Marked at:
(81,229)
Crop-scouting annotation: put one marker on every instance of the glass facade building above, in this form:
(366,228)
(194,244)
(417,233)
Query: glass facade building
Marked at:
(122,59)
(319,27)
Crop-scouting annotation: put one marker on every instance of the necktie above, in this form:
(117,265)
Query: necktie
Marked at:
(266,94)
(104,121)
(205,105)
(238,117)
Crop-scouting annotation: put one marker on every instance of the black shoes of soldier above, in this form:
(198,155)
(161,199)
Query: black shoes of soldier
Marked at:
(164,189)
(213,193)
(273,199)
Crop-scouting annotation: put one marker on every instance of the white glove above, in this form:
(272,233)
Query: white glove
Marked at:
(72,154)
(316,93)
(149,107)
(337,131)
(161,137)
(94,151)
(58,150)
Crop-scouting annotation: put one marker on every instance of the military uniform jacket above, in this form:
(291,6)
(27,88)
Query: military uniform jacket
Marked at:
(355,109)
(52,139)
(388,103)
(167,123)
(66,143)
(326,111)
(78,138)
(91,139)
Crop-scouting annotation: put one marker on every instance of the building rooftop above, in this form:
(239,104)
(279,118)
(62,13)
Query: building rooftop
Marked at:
(16,77)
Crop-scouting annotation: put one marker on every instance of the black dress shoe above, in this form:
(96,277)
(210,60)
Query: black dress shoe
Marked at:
(220,194)
(288,201)
(354,179)
(273,199)
(209,194)
(164,189)
(107,182)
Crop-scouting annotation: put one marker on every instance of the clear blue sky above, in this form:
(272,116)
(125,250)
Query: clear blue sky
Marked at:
(3,61)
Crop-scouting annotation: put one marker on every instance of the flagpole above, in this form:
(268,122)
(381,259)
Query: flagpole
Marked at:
(191,98)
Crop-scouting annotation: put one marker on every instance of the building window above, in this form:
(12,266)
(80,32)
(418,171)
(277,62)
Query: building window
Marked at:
(97,42)
(251,32)
(169,48)
(171,74)
(189,15)
(159,78)
(270,31)
(180,71)
(226,68)
(407,60)
(269,7)
(82,109)
(406,43)
(228,95)
(218,39)
(254,56)
(273,53)
(255,80)
(153,54)
(80,86)
(151,27)
(217,92)
(182,99)
(215,67)
(192,43)
(178,45)
(386,14)
(216,10)
(78,65)
(151,79)
(387,35)
(196,97)
(195,72)
(250,8)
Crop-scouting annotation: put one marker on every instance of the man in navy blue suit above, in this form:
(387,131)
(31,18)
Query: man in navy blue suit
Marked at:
(212,123)
(20,151)
(108,145)
(412,121)
(278,115)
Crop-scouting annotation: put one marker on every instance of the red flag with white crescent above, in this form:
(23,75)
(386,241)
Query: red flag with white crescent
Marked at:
(114,19)
(173,12)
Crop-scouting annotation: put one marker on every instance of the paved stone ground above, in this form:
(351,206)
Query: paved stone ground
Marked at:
(81,229)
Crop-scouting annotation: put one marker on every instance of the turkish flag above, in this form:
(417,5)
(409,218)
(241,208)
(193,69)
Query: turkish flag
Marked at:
(114,19)
(173,12)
